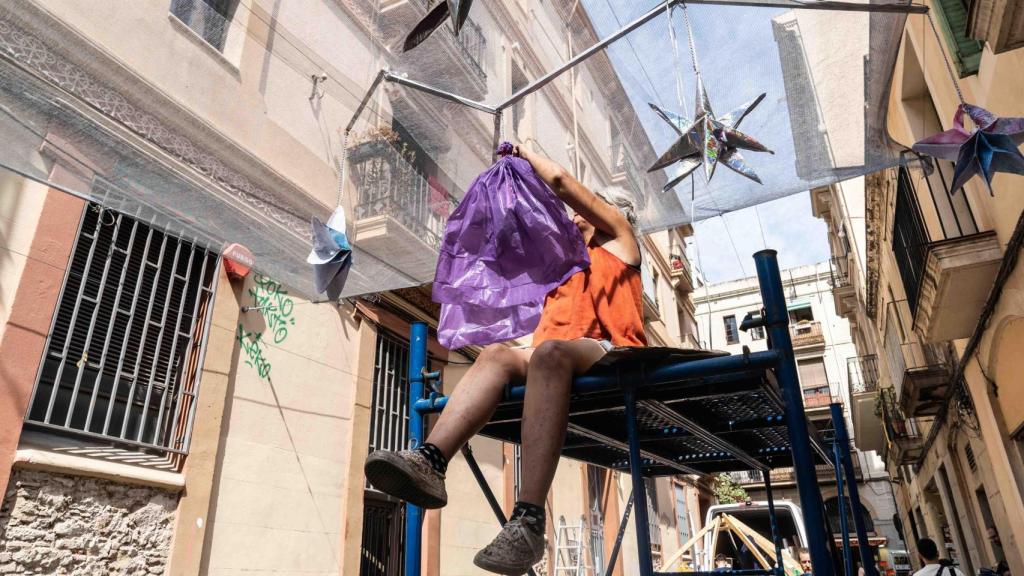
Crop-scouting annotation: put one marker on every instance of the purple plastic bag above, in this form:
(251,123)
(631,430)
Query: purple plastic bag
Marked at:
(505,247)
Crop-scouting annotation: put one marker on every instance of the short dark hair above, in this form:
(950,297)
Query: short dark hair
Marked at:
(927,549)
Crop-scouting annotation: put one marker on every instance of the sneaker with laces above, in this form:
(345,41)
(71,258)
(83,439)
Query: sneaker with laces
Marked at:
(515,550)
(406,475)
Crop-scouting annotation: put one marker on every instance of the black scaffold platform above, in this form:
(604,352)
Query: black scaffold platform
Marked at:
(660,411)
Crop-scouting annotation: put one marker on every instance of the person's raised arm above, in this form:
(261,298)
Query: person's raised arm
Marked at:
(601,214)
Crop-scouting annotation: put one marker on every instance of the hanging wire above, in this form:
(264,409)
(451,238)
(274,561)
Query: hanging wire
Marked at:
(676,64)
(689,34)
(341,166)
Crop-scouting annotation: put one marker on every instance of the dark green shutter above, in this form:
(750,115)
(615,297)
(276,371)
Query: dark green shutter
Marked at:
(952,17)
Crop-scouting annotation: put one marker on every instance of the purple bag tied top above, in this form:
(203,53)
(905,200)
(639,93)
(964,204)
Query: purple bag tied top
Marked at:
(507,244)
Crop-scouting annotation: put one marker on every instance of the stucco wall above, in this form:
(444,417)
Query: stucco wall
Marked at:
(278,491)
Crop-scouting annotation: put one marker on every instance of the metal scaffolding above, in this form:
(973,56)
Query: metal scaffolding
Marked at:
(657,412)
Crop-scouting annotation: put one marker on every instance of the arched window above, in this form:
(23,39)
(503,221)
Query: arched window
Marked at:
(832,511)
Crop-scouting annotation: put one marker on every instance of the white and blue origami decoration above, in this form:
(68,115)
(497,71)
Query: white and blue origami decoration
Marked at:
(331,255)
(992,146)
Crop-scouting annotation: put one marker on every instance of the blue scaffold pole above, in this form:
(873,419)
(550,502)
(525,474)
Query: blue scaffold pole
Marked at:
(843,444)
(776,319)
(414,514)
(643,534)
(844,528)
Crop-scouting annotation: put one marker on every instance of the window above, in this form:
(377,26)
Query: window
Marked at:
(682,515)
(649,279)
(969,454)
(596,484)
(812,373)
(732,335)
(123,356)
(801,314)
(757,332)
(210,19)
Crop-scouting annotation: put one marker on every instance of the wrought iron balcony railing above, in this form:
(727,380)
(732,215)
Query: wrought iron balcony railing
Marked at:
(922,189)
(806,334)
(387,184)
(862,374)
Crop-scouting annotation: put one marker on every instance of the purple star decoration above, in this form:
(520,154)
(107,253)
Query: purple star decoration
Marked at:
(991,147)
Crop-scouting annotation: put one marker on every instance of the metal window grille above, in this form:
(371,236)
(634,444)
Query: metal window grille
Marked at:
(389,414)
(732,335)
(969,453)
(210,19)
(596,489)
(124,350)
(382,551)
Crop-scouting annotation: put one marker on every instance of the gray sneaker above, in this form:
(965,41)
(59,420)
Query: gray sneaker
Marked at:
(514,551)
(406,475)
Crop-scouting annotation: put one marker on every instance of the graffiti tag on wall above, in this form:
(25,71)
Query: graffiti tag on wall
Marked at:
(271,300)
(252,350)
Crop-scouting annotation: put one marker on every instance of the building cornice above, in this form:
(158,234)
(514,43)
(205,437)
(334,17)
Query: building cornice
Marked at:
(875,190)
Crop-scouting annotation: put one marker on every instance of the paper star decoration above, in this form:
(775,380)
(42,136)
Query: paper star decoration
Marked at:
(458,10)
(331,255)
(991,147)
(709,140)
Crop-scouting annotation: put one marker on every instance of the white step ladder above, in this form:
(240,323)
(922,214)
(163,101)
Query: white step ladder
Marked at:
(570,549)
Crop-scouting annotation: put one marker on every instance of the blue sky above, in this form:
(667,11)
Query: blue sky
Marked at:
(789,227)
(739,59)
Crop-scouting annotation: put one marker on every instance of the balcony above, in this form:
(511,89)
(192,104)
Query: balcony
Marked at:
(904,436)
(925,378)
(862,379)
(818,398)
(682,275)
(399,214)
(843,291)
(806,334)
(947,266)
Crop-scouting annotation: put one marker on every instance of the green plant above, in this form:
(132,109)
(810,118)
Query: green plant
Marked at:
(728,491)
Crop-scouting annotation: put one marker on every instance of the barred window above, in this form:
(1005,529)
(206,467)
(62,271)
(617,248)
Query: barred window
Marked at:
(123,355)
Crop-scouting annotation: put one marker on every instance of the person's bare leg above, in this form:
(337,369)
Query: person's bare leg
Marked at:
(473,401)
(546,409)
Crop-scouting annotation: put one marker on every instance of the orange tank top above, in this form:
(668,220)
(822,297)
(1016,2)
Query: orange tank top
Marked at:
(603,302)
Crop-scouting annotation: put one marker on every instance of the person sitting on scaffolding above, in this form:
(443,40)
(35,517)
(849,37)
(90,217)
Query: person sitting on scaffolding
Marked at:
(582,320)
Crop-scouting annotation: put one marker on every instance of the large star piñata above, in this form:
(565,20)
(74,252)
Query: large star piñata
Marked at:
(709,140)
(458,10)
(991,147)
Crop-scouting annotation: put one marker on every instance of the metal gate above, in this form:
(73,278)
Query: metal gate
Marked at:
(383,547)
(384,518)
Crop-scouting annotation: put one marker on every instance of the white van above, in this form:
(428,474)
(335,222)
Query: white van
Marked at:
(755,514)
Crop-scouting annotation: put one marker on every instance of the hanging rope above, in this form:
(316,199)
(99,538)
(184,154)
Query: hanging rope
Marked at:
(341,167)
(949,65)
(676,64)
(689,35)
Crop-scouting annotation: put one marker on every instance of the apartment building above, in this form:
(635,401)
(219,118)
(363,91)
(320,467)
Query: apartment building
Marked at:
(935,296)
(165,410)
(827,361)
